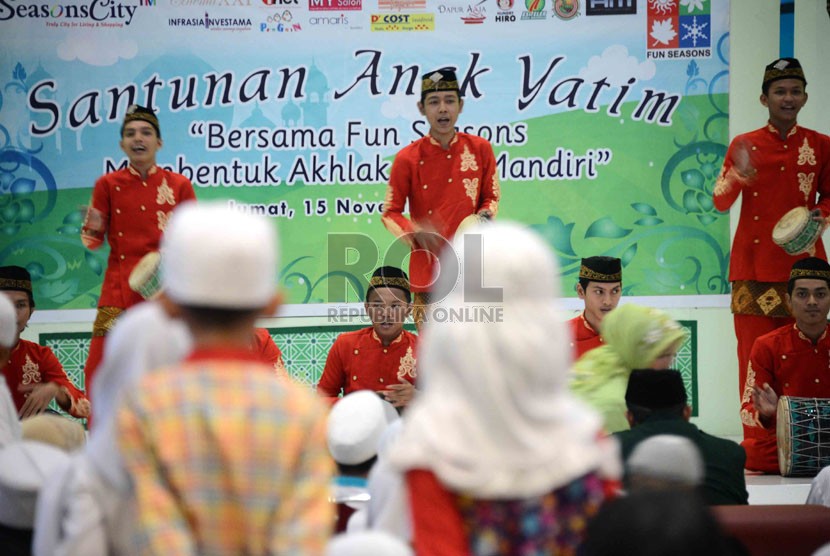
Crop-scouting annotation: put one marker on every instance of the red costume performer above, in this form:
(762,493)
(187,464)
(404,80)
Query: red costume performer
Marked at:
(775,169)
(793,366)
(443,188)
(135,213)
(30,364)
(268,351)
(584,338)
(358,360)
(758,268)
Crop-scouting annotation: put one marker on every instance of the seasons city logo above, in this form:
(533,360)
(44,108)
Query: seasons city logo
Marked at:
(95,13)
(566,9)
(281,22)
(403,22)
(679,29)
(505,13)
(535,10)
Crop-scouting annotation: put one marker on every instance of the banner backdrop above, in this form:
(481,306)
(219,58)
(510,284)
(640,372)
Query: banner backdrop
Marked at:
(608,119)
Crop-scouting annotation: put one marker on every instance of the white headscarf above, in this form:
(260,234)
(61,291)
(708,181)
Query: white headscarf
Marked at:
(495,418)
(9,420)
(143,339)
(820,489)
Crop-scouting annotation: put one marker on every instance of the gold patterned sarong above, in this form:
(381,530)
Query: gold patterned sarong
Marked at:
(105,320)
(764,299)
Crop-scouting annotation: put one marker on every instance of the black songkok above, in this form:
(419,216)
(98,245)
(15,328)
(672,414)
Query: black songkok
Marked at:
(136,112)
(601,269)
(655,390)
(16,278)
(782,68)
(811,268)
(389,277)
(443,79)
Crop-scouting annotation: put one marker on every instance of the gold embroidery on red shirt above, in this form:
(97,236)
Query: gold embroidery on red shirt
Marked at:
(805,183)
(806,154)
(165,194)
(31,372)
(407,366)
(468,161)
(471,185)
(163,217)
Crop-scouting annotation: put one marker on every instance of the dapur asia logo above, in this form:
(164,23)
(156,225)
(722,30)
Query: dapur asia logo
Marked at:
(212,23)
(566,9)
(534,9)
(280,22)
(505,13)
(475,14)
(679,29)
(93,13)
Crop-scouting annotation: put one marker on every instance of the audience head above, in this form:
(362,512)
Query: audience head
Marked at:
(655,392)
(642,337)
(655,523)
(367,543)
(354,429)
(664,461)
(60,432)
(388,302)
(219,265)
(599,286)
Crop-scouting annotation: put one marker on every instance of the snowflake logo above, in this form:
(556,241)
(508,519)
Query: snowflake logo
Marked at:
(694,31)
(662,6)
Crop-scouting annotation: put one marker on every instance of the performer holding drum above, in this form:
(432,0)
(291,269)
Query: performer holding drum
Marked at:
(131,208)
(446,177)
(775,169)
(793,360)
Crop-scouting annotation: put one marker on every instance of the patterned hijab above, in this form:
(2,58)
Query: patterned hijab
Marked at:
(495,419)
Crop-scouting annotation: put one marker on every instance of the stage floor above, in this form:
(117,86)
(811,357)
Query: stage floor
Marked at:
(774,489)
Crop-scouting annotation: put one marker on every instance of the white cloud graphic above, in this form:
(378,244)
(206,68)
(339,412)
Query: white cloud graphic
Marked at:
(400,106)
(617,67)
(104,47)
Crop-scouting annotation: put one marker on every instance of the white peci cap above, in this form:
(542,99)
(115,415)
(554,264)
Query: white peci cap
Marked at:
(364,543)
(219,258)
(355,426)
(667,457)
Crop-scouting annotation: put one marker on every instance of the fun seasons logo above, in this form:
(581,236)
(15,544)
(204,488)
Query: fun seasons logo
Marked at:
(94,13)
(212,23)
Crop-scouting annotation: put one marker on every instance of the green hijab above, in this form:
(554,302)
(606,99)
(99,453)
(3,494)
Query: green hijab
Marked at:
(634,337)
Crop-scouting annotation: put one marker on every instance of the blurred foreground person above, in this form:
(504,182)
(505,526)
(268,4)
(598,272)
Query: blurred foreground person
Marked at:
(498,456)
